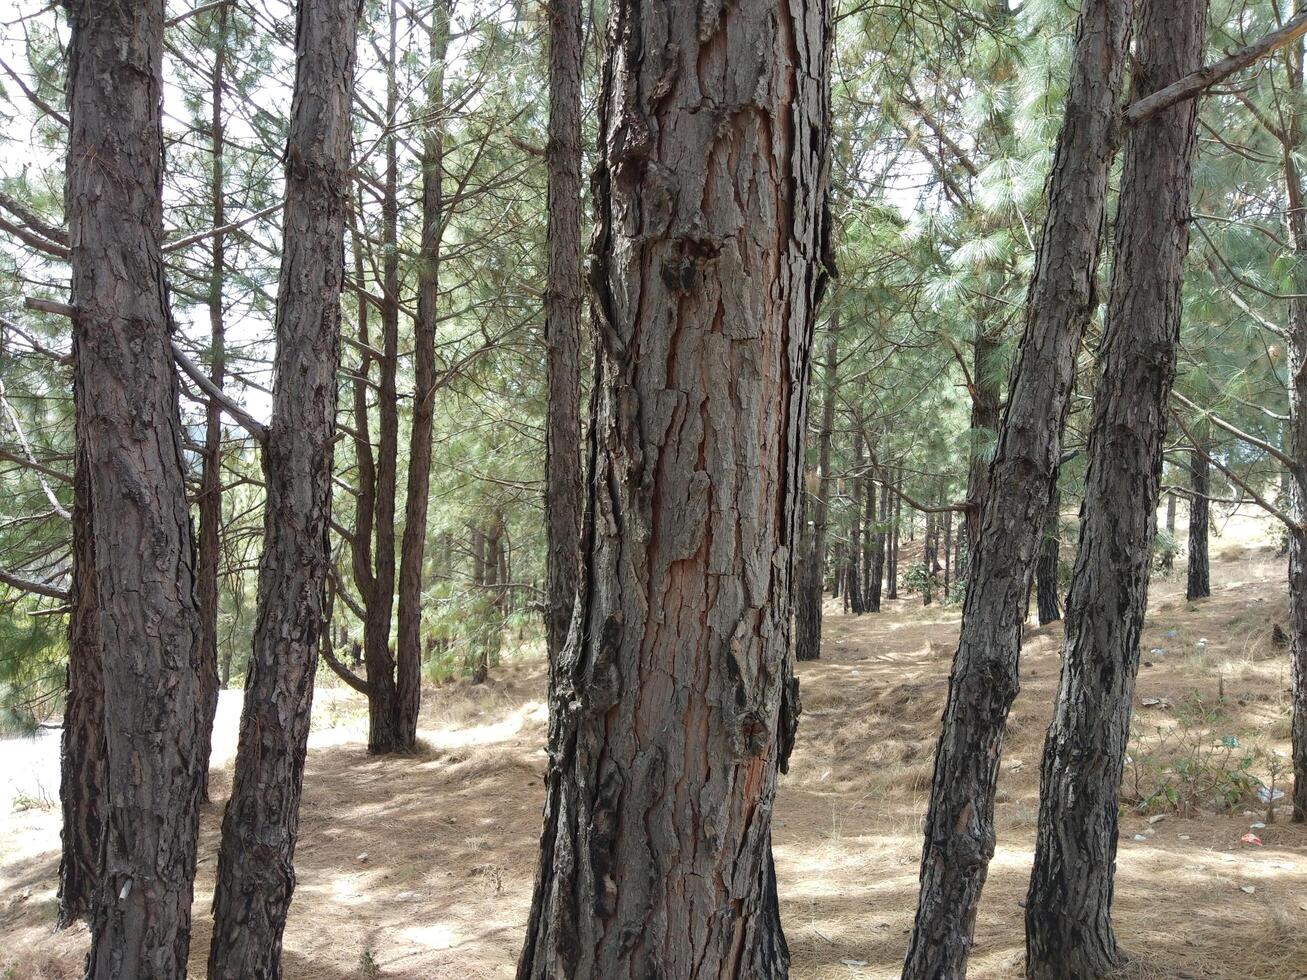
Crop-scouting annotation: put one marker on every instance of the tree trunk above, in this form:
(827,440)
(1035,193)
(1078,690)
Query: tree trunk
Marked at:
(563,486)
(959,838)
(130,433)
(986,411)
(207,557)
(892,562)
(1198,585)
(1047,599)
(675,702)
(1068,908)
(255,871)
(81,783)
(1296,217)
(807,622)
(408,651)
(874,557)
(948,548)
(1168,559)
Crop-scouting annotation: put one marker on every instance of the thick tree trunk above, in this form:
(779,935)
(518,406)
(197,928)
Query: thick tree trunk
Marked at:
(255,870)
(563,479)
(408,654)
(130,433)
(959,838)
(1048,601)
(812,568)
(1068,908)
(1198,585)
(211,461)
(675,703)
(81,783)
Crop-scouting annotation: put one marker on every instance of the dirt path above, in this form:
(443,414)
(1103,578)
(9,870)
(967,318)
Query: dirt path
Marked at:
(421,868)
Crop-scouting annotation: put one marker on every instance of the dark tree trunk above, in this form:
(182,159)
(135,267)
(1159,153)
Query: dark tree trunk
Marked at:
(255,870)
(812,569)
(675,703)
(130,435)
(1198,584)
(874,556)
(948,548)
(929,559)
(563,487)
(892,561)
(81,783)
(1047,599)
(959,838)
(408,651)
(986,411)
(1068,908)
(853,551)
(1168,559)
(207,556)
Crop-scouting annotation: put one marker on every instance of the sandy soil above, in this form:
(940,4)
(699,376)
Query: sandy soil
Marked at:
(421,867)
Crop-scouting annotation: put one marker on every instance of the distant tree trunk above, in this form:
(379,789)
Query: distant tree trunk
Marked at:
(211,461)
(874,556)
(130,434)
(807,623)
(255,870)
(563,479)
(948,548)
(1047,599)
(929,558)
(959,837)
(892,561)
(986,411)
(1198,584)
(81,783)
(1168,559)
(1068,908)
(671,718)
(853,552)
(408,649)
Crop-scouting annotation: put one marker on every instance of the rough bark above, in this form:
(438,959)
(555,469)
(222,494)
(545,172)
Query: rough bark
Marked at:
(131,436)
(1198,583)
(255,865)
(812,567)
(1068,908)
(408,651)
(563,487)
(81,782)
(959,837)
(1048,602)
(207,555)
(986,412)
(674,705)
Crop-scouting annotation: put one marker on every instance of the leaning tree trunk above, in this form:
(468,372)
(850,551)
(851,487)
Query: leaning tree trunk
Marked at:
(130,433)
(563,488)
(674,704)
(1047,600)
(1198,584)
(812,569)
(408,649)
(959,838)
(81,782)
(1068,908)
(255,871)
(211,460)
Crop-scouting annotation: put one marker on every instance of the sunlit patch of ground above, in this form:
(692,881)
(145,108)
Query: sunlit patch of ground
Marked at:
(422,867)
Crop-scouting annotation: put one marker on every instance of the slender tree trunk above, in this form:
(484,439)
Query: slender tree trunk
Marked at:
(211,461)
(563,483)
(130,435)
(255,870)
(807,624)
(81,784)
(948,548)
(892,562)
(959,838)
(1198,584)
(1068,908)
(986,411)
(874,557)
(675,702)
(1168,559)
(1296,215)
(1047,600)
(408,653)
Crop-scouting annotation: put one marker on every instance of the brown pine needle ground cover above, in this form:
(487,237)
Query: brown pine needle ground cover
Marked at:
(422,867)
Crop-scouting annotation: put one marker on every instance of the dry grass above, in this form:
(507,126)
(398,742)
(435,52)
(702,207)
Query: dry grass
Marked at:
(450,835)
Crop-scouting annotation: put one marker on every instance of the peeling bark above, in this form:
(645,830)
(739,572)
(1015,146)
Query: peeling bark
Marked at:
(674,705)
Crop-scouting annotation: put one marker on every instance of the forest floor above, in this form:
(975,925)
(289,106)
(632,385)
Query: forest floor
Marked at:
(422,867)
